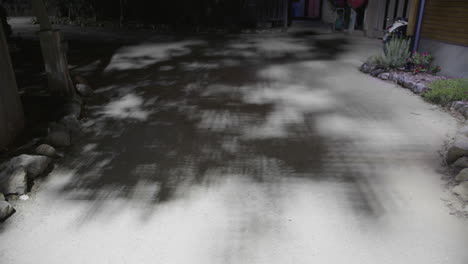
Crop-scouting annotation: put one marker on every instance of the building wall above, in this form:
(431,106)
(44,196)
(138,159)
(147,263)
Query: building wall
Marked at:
(446,20)
(444,33)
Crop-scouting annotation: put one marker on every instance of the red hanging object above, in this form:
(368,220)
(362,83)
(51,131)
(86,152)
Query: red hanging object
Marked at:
(356,3)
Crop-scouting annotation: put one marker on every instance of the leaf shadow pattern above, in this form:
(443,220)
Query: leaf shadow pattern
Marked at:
(215,106)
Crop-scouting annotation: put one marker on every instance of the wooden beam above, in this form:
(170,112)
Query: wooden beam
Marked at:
(53,52)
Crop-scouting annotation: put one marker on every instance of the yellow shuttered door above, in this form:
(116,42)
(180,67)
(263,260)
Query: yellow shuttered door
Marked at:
(446,20)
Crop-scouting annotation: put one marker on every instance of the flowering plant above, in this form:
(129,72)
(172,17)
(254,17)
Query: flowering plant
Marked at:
(422,63)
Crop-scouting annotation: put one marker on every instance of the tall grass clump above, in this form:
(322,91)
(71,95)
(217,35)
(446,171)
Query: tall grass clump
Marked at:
(447,91)
(397,52)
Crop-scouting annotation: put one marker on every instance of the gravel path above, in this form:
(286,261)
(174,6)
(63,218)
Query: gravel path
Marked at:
(268,148)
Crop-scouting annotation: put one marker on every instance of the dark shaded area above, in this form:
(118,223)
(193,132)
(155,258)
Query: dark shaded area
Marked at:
(179,144)
(182,13)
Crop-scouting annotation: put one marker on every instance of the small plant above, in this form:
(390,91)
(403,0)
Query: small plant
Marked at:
(397,52)
(419,63)
(447,91)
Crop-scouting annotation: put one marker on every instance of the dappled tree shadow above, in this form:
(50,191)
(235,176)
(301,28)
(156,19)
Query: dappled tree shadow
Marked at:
(184,111)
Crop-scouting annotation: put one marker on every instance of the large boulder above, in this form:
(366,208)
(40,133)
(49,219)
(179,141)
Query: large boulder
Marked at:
(46,150)
(84,90)
(13,181)
(462,175)
(34,165)
(462,190)
(460,146)
(461,163)
(6,210)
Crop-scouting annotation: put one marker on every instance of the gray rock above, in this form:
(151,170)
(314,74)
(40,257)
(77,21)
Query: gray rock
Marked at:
(460,146)
(462,176)
(34,165)
(46,150)
(409,84)
(13,181)
(419,88)
(72,108)
(400,79)
(2,197)
(366,68)
(461,163)
(72,124)
(376,72)
(455,153)
(6,210)
(384,76)
(459,104)
(59,135)
(59,138)
(394,76)
(462,190)
(464,111)
(84,90)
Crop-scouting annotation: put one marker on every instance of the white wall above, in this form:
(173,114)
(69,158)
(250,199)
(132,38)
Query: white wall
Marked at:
(453,59)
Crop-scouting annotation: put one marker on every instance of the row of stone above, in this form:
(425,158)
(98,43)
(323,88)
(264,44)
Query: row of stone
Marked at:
(17,175)
(400,78)
(457,155)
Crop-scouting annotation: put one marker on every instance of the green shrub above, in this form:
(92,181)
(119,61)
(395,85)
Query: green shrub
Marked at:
(422,63)
(446,91)
(397,52)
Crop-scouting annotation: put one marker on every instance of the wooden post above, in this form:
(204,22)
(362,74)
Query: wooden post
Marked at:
(412,16)
(53,52)
(11,111)
(56,63)
(41,13)
(373,18)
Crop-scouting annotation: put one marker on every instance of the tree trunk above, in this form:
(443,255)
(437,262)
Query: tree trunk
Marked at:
(53,52)
(11,111)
